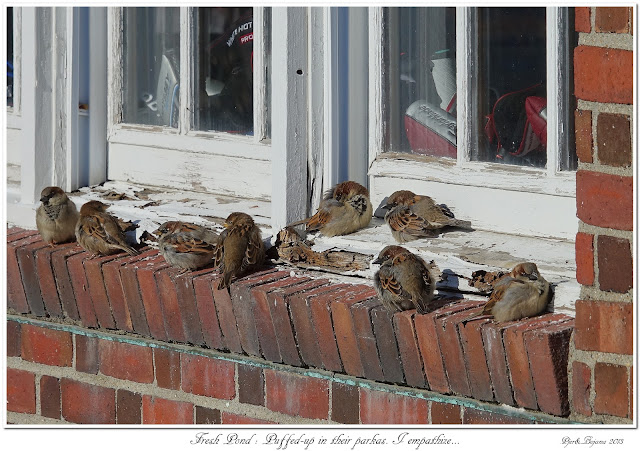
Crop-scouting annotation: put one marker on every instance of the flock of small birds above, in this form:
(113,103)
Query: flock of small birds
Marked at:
(404,280)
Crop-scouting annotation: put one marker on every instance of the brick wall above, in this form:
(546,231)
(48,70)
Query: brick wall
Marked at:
(601,368)
(278,347)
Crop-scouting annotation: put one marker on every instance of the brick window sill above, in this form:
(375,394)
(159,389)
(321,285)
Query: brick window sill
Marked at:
(299,319)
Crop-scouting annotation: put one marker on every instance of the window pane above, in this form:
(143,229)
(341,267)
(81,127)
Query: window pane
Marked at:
(512,86)
(224,70)
(420,80)
(151,66)
(10,57)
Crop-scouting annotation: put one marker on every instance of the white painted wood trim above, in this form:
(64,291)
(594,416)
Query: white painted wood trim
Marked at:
(376,63)
(17,61)
(98,103)
(186,88)
(290,106)
(331,117)
(67,98)
(259,74)
(466,82)
(114,68)
(37,108)
(553,89)
(319,43)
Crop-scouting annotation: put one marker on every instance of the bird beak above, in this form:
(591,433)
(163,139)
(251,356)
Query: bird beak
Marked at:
(226,225)
(157,232)
(533,276)
(386,206)
(377,261)
(44,199)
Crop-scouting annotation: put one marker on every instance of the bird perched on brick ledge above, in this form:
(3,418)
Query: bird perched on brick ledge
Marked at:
(56,217)
(98,232)
(185,245)
(413,216)
(520,294)
(239,248)
(344,209)
(404,281)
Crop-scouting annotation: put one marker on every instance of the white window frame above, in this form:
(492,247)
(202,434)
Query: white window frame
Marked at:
(14,114)
(183,157)
(502,198)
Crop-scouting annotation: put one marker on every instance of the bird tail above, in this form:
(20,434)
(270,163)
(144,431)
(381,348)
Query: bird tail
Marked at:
(297,223)
(475,315)
(463,224)
(129,250)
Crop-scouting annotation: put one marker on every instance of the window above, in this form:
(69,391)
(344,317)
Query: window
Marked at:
(442,78)
(188,95)
(10,57)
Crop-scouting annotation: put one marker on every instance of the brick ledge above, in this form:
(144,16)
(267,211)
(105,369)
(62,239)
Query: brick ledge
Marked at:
(297,320)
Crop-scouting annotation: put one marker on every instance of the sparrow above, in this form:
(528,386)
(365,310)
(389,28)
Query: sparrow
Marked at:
(239,248)
(185,245)
(520,294)
(56,217)
(404,281)
(344,209)
(413,216)
(99,232)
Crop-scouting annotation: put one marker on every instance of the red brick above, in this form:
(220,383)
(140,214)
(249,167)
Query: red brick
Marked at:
(63,280)
(207,376)
(189,309)
(232,418)
(16,233)
(16,297)
(548,352)
(13,339)
(150,296)
(345,403)
(388,352)
(405,329)
(306,337)
(612,19)
(21,391)
(603,74)
(47,281)
(344,328)
(87,354)
(128,407)
(87,404)
(207,311)
(170,308)
(581,388)
(205,415)
(378,407)
(48,346)
(97,290)
(131,291)
(476,416)
(584,259)
(363,325)
(297,395)
(583,19)
(584,135)
(165,411)
(279,300)
(115,295)
(30,280)
(604,326)
(323,325)
(50,397)
(262,315)
(126,361)
(612,389)
(615,264)
(451,347)
(80,289)
(442,413)
(226,317)
(476,359)
(614,139)
(429,345)
(243,305)
(250,385)
(605,200)
(167,365)
(497,362)
(518,360)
